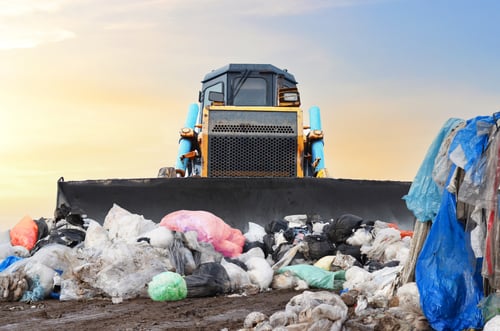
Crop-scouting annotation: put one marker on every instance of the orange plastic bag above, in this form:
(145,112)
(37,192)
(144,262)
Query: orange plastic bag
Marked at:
(404,233)
(24,233)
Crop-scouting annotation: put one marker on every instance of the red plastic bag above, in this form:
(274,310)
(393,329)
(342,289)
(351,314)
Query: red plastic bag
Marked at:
(24,233)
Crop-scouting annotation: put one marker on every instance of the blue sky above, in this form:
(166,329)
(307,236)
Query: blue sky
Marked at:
(99,89)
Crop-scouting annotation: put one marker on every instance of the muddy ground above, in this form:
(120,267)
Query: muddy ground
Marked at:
(214,313)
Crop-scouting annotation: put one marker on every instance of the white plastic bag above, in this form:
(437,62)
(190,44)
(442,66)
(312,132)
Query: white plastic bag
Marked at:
(255,232)
(120,223)
(259,272)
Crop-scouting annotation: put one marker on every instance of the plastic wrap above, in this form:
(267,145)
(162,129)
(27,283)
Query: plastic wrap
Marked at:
(480,184)
(424,196)
(442,162)
(122,224)
(304,304)
(491,265)
(470,142)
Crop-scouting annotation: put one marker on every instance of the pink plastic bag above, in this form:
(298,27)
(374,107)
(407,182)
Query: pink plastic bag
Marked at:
(210,228)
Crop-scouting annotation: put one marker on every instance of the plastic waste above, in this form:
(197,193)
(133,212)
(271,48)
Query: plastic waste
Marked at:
(318,246)
(123,224)
(490,306)
(255,232)
(424,196)
(325,262)
(9,260)
(238,277)
(449,283)
(41,281)
(493,324)
(317,277)
(13,284)
(24,233)
(311,307)
(342,228)
(210,228)
(159,237)
(479,187)
(259,272)
(167,286)
(209,279)
(470,142)
(377,249)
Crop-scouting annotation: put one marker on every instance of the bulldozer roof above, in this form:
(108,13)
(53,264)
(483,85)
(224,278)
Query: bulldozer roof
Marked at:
(241,67)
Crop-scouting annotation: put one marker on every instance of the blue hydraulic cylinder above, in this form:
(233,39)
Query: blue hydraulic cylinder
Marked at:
(317,145)
(185,144)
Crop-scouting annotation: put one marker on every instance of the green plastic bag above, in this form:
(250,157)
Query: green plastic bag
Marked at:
(167,286)
(317,277)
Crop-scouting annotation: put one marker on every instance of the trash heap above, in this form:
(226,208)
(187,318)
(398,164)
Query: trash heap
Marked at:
(196,254)
(454,198)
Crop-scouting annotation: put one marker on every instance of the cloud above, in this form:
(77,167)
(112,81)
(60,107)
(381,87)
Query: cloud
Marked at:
(16,33)
(10,8)
(15,38)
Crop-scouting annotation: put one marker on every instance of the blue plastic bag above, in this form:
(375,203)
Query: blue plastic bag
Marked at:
(448,275)
(8,261)
(471,141)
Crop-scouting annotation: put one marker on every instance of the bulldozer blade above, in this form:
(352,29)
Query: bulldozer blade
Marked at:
(241,200)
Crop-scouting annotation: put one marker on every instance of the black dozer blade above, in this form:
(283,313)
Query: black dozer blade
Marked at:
(241,200)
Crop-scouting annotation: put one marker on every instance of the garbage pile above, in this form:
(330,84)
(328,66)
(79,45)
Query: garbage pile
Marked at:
(196,254)
(454,198)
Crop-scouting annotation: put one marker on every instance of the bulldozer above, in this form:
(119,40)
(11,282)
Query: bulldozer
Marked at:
(245,155)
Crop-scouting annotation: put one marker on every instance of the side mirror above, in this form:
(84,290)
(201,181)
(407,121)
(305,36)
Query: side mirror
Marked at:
(216,96)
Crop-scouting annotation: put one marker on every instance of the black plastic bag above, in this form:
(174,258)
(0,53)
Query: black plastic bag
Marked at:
(276,226)
(210,279)
(342,228)
(319,246)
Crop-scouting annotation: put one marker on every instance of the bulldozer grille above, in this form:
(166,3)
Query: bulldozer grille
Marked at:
(252,144)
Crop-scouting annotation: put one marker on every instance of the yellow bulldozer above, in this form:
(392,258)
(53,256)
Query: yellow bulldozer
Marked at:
(246,156)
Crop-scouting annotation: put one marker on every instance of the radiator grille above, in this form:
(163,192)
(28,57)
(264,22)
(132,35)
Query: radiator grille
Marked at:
(252,144)
(253,128)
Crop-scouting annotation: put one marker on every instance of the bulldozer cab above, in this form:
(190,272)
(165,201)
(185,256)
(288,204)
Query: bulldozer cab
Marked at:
(249,124)
(247,85)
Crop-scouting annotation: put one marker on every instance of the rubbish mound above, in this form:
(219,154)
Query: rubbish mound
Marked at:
(129,256)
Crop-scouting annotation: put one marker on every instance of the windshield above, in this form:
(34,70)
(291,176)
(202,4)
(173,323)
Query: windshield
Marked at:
(251,91)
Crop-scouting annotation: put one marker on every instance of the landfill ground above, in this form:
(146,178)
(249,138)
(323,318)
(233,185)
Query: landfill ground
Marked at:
(213,313)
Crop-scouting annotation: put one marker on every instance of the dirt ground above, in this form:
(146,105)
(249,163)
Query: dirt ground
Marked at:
(214,313)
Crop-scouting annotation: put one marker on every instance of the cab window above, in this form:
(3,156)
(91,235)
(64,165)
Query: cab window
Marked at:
(252,91)
(216,88)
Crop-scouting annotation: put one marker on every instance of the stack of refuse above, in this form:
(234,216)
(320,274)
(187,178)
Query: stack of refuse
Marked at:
(196,254)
